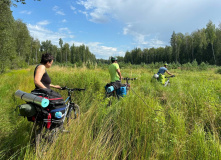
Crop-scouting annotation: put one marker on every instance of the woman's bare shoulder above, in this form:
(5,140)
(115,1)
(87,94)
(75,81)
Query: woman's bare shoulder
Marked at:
(41,68)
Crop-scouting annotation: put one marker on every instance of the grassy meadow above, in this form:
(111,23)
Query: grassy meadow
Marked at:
(182,121)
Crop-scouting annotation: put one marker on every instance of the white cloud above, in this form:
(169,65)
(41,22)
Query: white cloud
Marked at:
(148,18)
(102,51)
(60,13)
(65,30)
(149,22)
(75,43)
(98,10)
(83,12)
(43,23)
(99,50)
(55,8)
(64,21)
(58,10)
(73,8)
(96,48)
(40,33)
(26,12)
(126,29)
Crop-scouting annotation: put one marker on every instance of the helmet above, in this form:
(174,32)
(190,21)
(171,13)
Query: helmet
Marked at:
(113,58)
(156,76)
(165,64)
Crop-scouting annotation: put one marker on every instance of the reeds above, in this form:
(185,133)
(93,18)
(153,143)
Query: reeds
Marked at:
(181,121)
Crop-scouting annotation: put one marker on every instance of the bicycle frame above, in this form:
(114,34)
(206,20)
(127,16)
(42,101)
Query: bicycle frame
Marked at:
(68,100)
(168,80)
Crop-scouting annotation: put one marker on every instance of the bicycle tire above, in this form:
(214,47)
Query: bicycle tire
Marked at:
(43,138)
(109,101)
(167,83)
(40,140)
(111,96)
(37,135)
(73,113)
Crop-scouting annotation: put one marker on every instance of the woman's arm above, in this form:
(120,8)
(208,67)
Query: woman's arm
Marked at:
(55,86)
(38,75)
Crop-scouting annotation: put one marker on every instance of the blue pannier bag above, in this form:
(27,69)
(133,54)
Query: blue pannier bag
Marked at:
(122,91)
(109,88)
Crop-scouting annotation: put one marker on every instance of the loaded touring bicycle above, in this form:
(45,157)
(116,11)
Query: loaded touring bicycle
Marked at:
(48,111)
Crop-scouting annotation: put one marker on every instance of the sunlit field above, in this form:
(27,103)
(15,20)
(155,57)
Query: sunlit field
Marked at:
(181,121)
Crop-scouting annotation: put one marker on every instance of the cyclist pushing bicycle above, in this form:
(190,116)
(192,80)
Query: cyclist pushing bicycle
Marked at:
(115,74)
(43,84)
(41,77)
(115,87)
(160,74)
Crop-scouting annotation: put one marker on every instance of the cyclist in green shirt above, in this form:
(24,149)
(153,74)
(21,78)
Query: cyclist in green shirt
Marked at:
(115,73)
(114,70)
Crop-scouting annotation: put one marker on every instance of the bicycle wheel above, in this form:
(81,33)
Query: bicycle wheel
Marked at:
(37,135)
(73,113)
(43,138)
(40,140)
(167,83)
(111,97)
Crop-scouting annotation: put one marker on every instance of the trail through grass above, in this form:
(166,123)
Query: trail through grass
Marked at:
(152,122)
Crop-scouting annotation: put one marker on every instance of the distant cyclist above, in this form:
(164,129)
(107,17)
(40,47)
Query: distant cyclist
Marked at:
(115,73)
(164,69)
(160,74)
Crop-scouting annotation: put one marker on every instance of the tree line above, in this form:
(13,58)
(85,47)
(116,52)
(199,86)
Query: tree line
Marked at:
(18,48)
(203,45)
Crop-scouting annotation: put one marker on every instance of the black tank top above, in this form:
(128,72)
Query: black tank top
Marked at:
(45,80)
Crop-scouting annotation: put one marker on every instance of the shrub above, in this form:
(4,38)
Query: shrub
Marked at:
(203,66)
(187,66)
(194,63)
(218,71)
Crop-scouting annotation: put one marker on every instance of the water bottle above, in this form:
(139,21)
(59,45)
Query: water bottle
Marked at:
(58,114)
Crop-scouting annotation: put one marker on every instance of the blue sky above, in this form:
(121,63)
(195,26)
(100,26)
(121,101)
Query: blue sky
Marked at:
(112,27)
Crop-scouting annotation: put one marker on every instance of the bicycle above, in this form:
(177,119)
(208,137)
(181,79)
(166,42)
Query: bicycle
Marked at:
(117,93)
(73,110)
(167,83)
(43,136)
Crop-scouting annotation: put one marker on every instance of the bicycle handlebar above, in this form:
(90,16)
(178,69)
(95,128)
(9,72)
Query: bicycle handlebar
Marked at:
(170,76)
(72,89)
(129,78)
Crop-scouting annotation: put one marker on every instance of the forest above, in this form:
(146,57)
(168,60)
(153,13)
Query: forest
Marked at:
(19,49)
(179,121)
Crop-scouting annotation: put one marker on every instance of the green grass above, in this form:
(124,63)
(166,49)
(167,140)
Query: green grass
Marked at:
(181,121)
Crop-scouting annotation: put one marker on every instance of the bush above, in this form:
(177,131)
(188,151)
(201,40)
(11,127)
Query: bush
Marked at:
(90,65)
(203,66)
(218,71)
(175,65)
(187,66)
(194,63)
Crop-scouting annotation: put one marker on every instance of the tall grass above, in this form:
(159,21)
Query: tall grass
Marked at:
(181,121)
